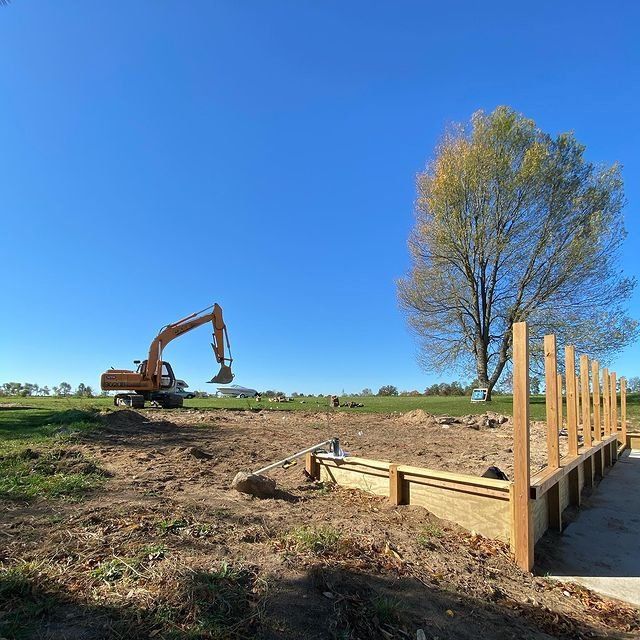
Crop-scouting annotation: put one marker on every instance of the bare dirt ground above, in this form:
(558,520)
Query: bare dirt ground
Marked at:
(248,440)
(166,550)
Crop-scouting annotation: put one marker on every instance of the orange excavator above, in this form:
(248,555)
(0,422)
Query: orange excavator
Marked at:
(154,380)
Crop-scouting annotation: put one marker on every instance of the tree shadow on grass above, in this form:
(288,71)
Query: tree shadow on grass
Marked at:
(44,423)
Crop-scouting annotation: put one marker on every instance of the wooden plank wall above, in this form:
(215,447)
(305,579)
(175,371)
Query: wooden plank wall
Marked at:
(481,505)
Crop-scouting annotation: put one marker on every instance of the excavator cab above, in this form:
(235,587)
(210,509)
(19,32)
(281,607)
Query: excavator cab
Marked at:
(167,377)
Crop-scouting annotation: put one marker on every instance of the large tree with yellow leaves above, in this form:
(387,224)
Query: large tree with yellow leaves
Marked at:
(513,224)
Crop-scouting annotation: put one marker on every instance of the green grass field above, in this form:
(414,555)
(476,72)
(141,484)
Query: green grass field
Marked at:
(39,407)
(34,457)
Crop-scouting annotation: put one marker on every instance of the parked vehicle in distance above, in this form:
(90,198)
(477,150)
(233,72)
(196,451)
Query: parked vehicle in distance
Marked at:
(181,387)
(236,391)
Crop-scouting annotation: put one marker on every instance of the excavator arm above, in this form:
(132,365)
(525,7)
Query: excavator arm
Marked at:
(172,331)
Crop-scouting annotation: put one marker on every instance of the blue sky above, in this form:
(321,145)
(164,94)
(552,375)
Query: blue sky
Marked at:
(156,156)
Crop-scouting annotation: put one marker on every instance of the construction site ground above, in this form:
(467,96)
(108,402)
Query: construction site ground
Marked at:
(160,547)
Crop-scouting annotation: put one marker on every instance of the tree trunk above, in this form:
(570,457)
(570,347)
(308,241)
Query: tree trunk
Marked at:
(481,368)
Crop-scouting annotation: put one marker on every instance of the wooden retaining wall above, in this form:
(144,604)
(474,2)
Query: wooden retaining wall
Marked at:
(478,504)
(517,512)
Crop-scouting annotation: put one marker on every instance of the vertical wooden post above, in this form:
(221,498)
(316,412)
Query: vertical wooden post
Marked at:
(598,464)
(599,458)
(586,402)
(553,393)
(606,452)
(614,403)
(312,466)
(595,382)
(578,403)
(606,409)
(572,417)
(559,402)
(623,410)
(522,521)
(554,510)
(551,401)
(396,494)
(586,418)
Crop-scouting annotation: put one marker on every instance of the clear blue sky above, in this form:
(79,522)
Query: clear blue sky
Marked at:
(156,156)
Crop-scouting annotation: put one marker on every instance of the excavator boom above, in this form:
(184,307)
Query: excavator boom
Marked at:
(172,331)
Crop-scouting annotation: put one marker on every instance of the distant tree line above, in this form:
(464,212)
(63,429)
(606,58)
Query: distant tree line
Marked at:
(27,389)
(455,388)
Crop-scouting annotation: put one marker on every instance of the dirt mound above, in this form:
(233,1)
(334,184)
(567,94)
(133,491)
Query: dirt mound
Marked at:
(417,416)
(123,418)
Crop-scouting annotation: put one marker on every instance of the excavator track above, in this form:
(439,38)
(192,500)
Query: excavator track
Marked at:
(167,400)
(131,400)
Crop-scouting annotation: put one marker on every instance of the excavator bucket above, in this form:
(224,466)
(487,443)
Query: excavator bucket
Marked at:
(224,375)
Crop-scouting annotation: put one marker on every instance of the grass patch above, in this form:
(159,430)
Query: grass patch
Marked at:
(37,422)
(23,598)
(225,602)
(172,526)
(319,541)
(29,466)
(388,610)
(428,533)
(26,474)
(17,581)
(132,567)
(178,526)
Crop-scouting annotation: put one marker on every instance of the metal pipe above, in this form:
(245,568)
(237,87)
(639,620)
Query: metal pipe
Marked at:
(334,448)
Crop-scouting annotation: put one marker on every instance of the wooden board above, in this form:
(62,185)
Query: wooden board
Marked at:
(522,522)
(623,410)
(540,511)
(564,493)
(606,407)
(613,396)
(487,516)
(586,401)
(355,477)
(633,441)
(595,382)
(572,413)
(551,400)
(457,478)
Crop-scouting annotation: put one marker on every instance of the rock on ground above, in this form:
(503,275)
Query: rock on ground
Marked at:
(255,485)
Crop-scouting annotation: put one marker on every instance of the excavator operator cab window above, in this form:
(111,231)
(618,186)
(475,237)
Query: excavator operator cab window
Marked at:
(142,367)
(168,378)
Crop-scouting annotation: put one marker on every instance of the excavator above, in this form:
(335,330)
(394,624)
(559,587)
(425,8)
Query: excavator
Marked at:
(154,380)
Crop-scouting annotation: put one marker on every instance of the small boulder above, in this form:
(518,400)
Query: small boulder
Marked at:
(255,485)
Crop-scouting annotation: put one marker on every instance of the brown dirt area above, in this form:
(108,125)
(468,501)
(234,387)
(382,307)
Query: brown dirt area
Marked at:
(166,550)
